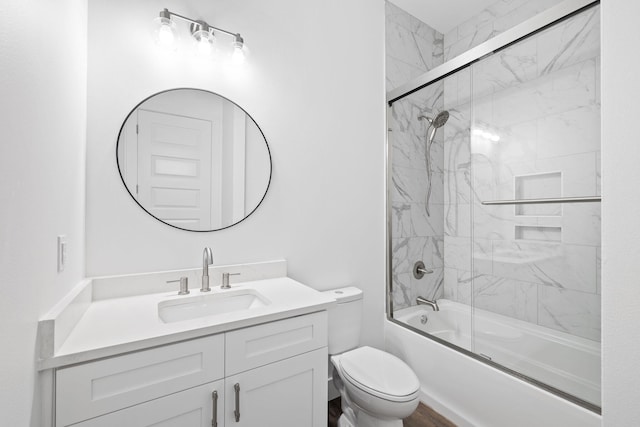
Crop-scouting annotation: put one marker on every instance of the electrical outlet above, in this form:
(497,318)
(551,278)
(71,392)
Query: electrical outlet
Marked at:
(62,252)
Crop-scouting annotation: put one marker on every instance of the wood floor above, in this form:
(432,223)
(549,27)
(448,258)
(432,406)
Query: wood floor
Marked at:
(424,416)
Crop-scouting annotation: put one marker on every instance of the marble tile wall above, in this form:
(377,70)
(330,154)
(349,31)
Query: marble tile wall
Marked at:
(417,226)
(495,19)
(413,48)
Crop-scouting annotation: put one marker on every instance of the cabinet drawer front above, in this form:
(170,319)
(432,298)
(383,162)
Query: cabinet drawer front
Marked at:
(104,386)
(259,345)
(189,408)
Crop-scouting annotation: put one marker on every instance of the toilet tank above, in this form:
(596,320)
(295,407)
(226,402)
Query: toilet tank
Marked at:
(345,319)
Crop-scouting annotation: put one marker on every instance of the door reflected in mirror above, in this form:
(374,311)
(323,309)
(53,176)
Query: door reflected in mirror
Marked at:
(193,159)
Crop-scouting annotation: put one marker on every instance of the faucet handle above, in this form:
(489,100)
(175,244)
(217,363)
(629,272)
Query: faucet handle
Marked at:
(184,285)
(225,280)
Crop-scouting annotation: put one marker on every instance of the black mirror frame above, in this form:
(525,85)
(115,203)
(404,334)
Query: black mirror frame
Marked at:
(155,217)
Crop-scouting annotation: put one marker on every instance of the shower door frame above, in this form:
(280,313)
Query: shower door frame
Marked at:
(536,24)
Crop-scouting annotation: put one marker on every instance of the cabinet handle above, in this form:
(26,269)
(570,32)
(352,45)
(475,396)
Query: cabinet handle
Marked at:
(236,412)
(214,420)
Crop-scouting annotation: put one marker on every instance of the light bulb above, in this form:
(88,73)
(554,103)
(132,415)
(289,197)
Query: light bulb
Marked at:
(165,36)
(165,33)
(204,48)
(204,42)
(240,51)
(237,57)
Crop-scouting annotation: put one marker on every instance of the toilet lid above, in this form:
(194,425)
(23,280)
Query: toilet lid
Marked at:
(379,373)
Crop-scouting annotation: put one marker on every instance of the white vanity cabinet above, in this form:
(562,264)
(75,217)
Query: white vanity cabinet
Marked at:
(273,374)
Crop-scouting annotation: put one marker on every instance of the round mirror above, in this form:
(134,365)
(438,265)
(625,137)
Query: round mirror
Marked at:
(193,159)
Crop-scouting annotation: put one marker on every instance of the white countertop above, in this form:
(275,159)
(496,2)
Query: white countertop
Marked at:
(119,325)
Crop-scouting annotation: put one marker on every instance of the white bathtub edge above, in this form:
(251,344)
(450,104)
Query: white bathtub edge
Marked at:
(471,393)
(445,411)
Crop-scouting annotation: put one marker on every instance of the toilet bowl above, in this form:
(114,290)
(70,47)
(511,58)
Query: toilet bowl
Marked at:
(377,388)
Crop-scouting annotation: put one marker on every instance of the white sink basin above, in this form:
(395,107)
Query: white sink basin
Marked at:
(188,308)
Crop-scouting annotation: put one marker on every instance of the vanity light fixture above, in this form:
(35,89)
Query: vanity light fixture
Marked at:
(166,35)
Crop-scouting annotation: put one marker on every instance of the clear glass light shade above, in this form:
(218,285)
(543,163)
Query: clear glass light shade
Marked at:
(239,53)
(165,33)
(204,42)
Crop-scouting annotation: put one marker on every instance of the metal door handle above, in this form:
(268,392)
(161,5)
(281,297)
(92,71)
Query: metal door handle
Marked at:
(214,420)
(236,412)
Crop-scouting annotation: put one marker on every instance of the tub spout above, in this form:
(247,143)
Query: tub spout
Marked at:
(423,301)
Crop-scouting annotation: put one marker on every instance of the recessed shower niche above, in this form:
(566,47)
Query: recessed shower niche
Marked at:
(538,186)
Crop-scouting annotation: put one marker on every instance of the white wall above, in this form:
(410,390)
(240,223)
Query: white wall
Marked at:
(314,84)
(620,214)
(42,117)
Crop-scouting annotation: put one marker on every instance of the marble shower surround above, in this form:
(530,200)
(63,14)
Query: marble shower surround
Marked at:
(553,79)
(497,18)
(413,48)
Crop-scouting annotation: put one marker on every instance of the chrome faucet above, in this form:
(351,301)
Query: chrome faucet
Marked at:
(423,301)
(207,260)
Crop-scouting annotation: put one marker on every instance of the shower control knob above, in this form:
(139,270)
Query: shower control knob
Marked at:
(419,270)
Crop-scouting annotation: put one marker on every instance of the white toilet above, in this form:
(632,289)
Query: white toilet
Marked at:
(377,388)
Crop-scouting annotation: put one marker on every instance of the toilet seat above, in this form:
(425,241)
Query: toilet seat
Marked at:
(379,374)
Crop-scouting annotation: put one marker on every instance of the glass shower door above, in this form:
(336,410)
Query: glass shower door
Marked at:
(535,166)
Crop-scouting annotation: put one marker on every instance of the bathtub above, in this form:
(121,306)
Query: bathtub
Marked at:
(472,393)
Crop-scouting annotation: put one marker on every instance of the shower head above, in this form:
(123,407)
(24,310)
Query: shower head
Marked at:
(438,121)
(435,123)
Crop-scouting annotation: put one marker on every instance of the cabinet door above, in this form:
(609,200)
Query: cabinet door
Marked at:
(190,408)
(288,393)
